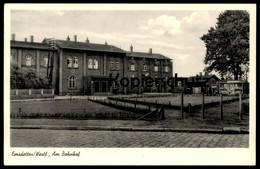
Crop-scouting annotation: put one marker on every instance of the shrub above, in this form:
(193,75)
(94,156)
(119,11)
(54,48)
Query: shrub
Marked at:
(27,79)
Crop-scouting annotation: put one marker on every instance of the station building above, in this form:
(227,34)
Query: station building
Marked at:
(84,68)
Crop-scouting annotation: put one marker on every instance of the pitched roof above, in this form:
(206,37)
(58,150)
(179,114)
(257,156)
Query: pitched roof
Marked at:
(147,55)
(202,78)
(88,46)
(31,45)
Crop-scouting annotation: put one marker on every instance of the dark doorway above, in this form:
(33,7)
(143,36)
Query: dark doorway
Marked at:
(104,86)
(96,86)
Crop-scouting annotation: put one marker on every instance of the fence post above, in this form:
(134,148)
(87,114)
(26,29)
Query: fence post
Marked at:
(182,116)
(240,106)
(157,109)
(221,106)
(41,91)
(52,91)
(189,108)
(163,115)
(169,103)
(16,92)
(19,114)
(30,91)
(202,106)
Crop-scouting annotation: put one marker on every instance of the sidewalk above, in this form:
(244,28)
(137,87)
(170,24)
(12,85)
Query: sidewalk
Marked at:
(111,125)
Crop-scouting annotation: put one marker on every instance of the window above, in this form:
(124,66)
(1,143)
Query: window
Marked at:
(156,68)
(72,82)
(144,67)
(132,67)
(179,83)
(69,62)
(45,61)
(75,62)
(95,62)
(111,65)
(28,60)
(166,68)
(90,63)
(117,65)
(11,58)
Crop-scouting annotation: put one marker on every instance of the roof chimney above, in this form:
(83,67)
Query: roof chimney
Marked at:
(13,37)
(106,43)
(87,41)
(197,78)
(200,73)
(68,38)
(131,48)
(75,38)
(150,51)
(31,38)
(25,39)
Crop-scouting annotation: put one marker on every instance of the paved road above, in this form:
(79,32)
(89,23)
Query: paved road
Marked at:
(89,138)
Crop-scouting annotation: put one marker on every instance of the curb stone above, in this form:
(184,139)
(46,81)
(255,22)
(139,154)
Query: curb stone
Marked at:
(225,130)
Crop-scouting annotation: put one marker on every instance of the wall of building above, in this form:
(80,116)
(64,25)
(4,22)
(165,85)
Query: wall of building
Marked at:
(85,76)
(67,72)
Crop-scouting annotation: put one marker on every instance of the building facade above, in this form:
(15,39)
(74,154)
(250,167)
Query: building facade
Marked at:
(206,84)
(84,68)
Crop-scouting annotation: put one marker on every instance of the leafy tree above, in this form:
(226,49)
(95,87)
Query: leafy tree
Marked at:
(228,44)
(16,78)
(27,79)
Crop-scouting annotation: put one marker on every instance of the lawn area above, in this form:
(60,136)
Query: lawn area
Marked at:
(61,107)
(212,118)
(175,100)
(173,117)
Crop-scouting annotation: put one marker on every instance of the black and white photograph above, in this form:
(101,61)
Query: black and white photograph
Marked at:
(129,84)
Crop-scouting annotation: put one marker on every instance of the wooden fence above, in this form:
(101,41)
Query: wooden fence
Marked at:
(147,113)
(189,108)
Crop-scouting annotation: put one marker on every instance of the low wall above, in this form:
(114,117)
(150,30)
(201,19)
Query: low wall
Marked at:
(31,93)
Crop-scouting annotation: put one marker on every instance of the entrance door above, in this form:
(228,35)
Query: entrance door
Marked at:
(104,87)
(96,86)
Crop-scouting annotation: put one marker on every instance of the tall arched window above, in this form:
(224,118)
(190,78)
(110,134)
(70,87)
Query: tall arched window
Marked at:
(95,64)
(111,64)
(72,82)
(117,64)
(132,67)
(75,62)
(45,61)
(28,60)
(90,63)
(12,58)
(166,68)
(144,67)
(156,68)
(69,62)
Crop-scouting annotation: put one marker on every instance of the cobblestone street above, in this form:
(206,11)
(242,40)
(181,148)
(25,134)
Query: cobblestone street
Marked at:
(89,138)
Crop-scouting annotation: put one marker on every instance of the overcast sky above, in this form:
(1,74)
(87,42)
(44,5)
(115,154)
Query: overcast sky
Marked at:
(173,33)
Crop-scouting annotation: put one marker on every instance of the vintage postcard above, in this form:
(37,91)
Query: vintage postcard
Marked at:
(129,84)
